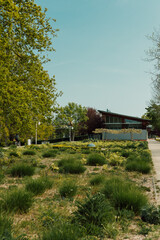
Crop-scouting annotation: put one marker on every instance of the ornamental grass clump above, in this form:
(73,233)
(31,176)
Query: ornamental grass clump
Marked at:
(21,170)
(97,180)
(95,159)
(17,200)
(124,194)
(29,152)
(49,154)
(63,231)
(39,185)
(68,189)
(138,166)
(93,212)
(14,154)
(71,165)
(5,228)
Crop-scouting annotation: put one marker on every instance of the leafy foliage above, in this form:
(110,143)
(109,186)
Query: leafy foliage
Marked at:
(151,214)
(27,92)
(29,152)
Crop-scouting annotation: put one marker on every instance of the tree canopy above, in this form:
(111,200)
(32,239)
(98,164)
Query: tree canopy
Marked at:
(72,116)
(27,93)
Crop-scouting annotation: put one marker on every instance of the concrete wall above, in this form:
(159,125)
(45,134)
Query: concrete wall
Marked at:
(125,136)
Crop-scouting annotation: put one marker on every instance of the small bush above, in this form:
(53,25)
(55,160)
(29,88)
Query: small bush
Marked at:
(38,186)
(138,166)
(29,152)
(14,154)
(71,165)
(124,194)
(96,180)
(151,214)
(93,213)
(17,200)
(68,189)
(49,154)
(21,170)
(96,159)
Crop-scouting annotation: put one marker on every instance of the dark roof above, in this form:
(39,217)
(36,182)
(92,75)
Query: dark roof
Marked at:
(124,116)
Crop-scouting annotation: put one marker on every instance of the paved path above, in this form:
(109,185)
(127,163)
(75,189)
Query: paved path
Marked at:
(154,146)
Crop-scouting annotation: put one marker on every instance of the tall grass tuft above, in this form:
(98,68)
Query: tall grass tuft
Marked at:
(95,159)
(17,200)
(21,170)
(138,166)
(63,231)
(49,154)
(5,228)
(39,185)
(124,194)
(93,212)
(71,165)
(96,180)
(29,152)
(68,189)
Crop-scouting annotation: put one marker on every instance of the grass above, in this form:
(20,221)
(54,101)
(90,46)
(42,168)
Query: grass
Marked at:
(138,166)
(29,152)
(21,170)
(39,185)
(68,189)
(49,154)
(49,216)
(71,165)
(124,194)
(17,200)
(95,159)
(96,180)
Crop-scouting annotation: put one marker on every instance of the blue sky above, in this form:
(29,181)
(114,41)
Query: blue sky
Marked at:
(100,52)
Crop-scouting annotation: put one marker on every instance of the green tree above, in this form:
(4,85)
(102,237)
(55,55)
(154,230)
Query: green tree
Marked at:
(72,117)
(27,93)
(153,113)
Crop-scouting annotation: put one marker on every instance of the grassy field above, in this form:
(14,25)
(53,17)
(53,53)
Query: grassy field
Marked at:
(70,191)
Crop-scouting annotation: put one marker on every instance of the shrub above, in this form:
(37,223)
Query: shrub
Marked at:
(39,185)
(14,154)
(62,231)
(151,214)
(96,180)
(29,152)
(138,166)
(95,159)
(17,200)
(71,165)
(116,160)
(68,189)
(93,212)
(49,154)
(21,170)
(124,194)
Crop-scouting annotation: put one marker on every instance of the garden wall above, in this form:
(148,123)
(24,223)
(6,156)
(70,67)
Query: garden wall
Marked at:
(125,136)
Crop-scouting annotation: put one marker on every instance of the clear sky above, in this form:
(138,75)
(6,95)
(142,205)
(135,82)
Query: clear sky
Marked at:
(100,52)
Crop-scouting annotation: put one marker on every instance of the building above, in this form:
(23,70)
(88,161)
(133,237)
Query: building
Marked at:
(119,121)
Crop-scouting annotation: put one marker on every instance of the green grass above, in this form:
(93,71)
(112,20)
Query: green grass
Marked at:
(17,200)
(71,165)
(124,194)
(138,166)
(95,159)
(29,152)
(68,189)
(96,180)
(21,170)
(49,154)
(39,185)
